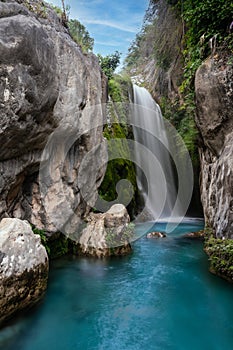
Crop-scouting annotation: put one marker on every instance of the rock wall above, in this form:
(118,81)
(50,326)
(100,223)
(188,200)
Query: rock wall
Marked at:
(47,87)
(214,100)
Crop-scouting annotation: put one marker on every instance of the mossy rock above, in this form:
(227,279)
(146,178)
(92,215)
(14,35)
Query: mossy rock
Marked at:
(220,252)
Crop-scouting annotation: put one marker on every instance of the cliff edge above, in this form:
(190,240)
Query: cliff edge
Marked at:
(47,87)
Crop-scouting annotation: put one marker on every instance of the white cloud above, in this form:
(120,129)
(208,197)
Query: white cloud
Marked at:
(91,2)
(108,43)
(111,24)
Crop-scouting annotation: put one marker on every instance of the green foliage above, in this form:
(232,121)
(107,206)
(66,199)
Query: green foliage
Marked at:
(181,116)
(204,20)
(56,246)
(118,130)
(117,169)
(134,52)
(109,63)
(119,90)
(188,132)
(80,35)
(157,40)
(59,246)
(77,30)
(114,90)
(220,254)
(174,30)
(57,9)
(206,17)
(43,237)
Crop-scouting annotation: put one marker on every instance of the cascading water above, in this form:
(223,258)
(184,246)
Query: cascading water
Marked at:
(155,174)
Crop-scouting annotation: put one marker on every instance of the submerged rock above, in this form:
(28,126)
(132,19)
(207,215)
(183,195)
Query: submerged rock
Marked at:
(106,234)
(23,267)
(200,235)
(155,235)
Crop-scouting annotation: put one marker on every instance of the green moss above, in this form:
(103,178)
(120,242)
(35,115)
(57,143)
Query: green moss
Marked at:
(80,35)
(118,130)
(43,237)
(59,245)
(181,116)
(220,252)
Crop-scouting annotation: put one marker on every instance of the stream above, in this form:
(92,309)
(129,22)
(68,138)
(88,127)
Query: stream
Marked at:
(160,297)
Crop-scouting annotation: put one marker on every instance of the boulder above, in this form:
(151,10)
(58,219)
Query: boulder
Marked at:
(199,235)
(106,234)
(116,216)
(155,235)
(23,267)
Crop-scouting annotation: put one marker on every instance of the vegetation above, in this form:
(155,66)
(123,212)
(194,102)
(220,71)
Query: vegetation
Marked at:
(163,27)
(59,245)
(183,34)
(118,129)
(43,237)
(109,63)
(80,35)
(56,246)
(37,7)
(220,252)
(207,27)
(77,30)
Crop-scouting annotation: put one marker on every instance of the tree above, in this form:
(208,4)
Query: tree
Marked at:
(65,15)
(109,63)
(80,35)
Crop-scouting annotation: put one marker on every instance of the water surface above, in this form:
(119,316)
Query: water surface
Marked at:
(160,297)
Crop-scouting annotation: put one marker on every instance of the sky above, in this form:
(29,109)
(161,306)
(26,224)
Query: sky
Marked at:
(112,24)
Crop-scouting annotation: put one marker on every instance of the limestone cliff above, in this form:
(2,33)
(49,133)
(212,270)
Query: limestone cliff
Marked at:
(47,87)
(214,100)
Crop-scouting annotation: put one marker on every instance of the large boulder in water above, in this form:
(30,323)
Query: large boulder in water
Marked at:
(23,267)
(106,234)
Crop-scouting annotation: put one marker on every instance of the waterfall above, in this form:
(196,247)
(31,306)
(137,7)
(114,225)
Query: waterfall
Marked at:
(156,175)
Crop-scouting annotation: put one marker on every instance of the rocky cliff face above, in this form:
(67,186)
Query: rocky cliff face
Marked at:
(47,87)
(214,100)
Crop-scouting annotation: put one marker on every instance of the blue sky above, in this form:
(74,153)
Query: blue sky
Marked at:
(113,24)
